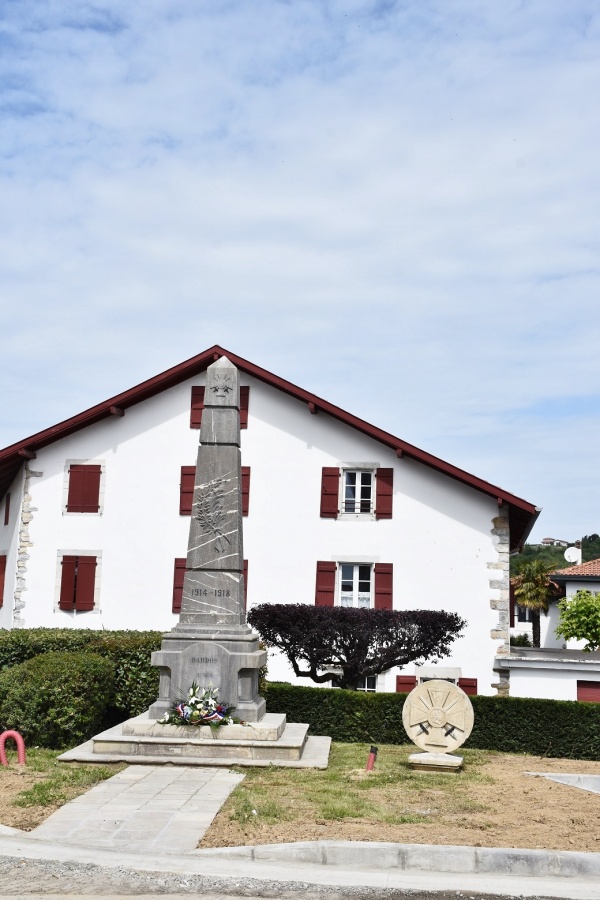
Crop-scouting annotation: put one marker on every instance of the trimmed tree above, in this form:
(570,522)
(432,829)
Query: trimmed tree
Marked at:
(580,619)
(323,643)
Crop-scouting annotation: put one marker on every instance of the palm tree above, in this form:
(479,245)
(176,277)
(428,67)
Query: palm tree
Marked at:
(534,590)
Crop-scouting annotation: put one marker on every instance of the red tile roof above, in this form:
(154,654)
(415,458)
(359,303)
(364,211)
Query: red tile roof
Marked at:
(586,569)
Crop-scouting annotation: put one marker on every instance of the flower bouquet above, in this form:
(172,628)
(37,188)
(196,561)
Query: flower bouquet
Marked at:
(200,707)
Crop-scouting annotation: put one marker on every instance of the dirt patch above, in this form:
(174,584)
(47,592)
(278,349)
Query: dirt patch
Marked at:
(505,808)
(13,780)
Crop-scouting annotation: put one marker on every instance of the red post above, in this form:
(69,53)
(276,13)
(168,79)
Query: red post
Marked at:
(20,747)
(371,759)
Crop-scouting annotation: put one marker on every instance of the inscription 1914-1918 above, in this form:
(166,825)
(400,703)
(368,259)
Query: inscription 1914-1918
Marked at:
(216,592)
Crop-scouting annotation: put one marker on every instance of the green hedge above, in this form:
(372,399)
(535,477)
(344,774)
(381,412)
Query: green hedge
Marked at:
(57,699)
(514,725)
(135,680)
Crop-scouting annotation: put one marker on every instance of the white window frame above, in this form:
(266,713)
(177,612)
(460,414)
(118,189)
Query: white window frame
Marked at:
(357,600)
(358,468)
(367,684)
(65,499)
(78,612)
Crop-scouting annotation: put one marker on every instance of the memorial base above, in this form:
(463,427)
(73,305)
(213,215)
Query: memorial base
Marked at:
(435,762)
(143,741)
(226,659)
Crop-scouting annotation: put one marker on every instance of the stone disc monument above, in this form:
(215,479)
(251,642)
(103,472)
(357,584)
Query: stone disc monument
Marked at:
(438,718)
(212,644)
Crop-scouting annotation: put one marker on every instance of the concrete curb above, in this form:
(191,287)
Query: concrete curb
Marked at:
(420,858)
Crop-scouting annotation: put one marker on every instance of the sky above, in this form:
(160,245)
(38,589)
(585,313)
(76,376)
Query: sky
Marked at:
(394,205)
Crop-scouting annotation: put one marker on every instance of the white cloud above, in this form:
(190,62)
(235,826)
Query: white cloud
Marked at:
(329,189)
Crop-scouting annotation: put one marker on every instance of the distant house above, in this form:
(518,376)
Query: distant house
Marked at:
(554,542)
(559,670)
(94,518)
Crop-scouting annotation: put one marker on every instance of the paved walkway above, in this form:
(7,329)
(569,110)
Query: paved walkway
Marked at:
(165,809)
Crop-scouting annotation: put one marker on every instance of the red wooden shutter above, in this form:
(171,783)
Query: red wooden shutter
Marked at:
(178,579)
(67,583)
(512,603)
(244,403)
(186,490)
(196,407)
(384,576)
(325,592)
(405,683)
(6,509)
(84,489)
(330,492)
(86,579)
(245,489)
(2,578)
(588,691)
(245,585)
(469,686)
(384,492)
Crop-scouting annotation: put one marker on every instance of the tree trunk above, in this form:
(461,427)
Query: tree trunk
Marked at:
(535,625)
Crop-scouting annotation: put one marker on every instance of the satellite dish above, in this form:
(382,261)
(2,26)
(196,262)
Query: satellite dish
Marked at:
(572,555)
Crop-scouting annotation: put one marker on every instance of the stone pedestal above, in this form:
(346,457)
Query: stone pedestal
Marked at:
(228,662)
(435,762)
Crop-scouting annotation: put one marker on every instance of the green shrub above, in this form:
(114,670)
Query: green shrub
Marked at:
(136,680)
(56,699)
(508,724)
(520,640)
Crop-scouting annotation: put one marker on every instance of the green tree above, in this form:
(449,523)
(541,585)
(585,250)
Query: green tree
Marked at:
(534,590)
(580,619)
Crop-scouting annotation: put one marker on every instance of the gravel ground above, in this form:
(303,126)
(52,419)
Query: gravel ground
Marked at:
(20,877)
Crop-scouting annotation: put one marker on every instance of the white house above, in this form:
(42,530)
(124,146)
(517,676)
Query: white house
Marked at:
(558,669)
(94,518)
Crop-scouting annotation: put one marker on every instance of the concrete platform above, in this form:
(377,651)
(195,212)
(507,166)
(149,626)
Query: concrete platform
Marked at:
(293,750)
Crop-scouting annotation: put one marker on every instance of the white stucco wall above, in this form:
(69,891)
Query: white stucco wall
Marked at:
(9,545)
(439,539)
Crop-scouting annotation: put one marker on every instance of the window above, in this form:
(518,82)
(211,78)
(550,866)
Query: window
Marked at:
(197,405)
(523,614)
(368,684)
(355,585)
(77,583)
(6,509)
(186,490)
(358,585)
(2,577)
(83,491)
(356,490)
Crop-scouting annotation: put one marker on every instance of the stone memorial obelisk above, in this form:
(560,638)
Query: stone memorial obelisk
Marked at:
(212,644)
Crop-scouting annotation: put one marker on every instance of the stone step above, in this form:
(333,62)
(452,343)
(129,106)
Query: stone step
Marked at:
(315,755)
(270,728)
(288,746)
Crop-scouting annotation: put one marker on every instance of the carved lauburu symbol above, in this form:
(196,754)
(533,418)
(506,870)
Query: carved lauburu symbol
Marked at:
(222,386)
(211,513)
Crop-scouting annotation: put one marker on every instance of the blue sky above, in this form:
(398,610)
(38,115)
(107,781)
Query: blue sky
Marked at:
(393,204)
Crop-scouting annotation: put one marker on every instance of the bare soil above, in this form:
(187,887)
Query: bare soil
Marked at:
(507,808)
